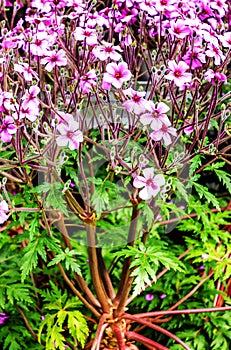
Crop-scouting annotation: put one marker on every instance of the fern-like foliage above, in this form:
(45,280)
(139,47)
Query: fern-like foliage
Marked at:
(64,316)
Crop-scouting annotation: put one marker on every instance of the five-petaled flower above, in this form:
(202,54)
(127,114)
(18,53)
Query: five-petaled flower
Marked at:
(3,210)
(7,129)
(150,184)
(54,58)
(136,103)
(156,116)
(26,70)
(87,34)
(88,81)
(103,52)
(70,135)
(30,97)
(165,133)
(116,75)
(177,73)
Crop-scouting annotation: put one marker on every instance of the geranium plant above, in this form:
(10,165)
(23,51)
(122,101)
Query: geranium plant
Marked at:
(115,174)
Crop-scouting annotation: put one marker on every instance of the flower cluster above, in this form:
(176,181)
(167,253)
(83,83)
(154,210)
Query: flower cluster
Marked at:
(180,49)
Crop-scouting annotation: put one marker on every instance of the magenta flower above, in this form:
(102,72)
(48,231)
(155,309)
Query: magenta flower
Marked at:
(29,111)
(54,58)
(3,317)
(148,6)
(189,129)
(7,129)
(26,71)
(3,210)
(30,96)
(40,45)
(7,101)
(194,58)
(156,116)
(162,296)
(213,77)
(179,29)
(116,75)
(215,52)
(70,135)
(165,133)
(226,39)
(149,297)
(177,73)
(151,184)
(88,81)
(136,103)
(106,51)
(86,34)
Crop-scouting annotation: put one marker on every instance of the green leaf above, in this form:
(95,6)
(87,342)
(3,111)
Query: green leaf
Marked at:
(100,200)
(146,262)
(33,250)
(225,178)
(204,192)
(196,162)
(77,326)
(67,257)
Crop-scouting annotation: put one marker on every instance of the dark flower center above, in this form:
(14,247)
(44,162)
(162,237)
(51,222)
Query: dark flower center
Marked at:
(136,98)
(177,73)
(108,49)
(118,75)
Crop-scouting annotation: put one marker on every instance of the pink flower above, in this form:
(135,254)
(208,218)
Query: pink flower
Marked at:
(194,58)
(226,39)
(7,101)
(40,44)
(7,129)
(149,297)
(88,81)
(3,317)
(30,96)
(215,52)
(136,103)
(106,51)
(148,6)
(179,29)
(164,133)
(116,75)
(70,135)
(157,117)
(54,58)
(29,111)
(63,117)
(151,184)
(190,128)
(213,77)
(86,34)
(177,73)
(221,6)
(26,71)
(3,210)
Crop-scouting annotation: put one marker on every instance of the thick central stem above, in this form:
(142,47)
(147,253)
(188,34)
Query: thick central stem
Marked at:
(94,268)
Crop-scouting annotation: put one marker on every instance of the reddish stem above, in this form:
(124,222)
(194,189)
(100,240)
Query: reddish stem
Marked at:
(156,328)
(119,337)
(183,312)
(145,341)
